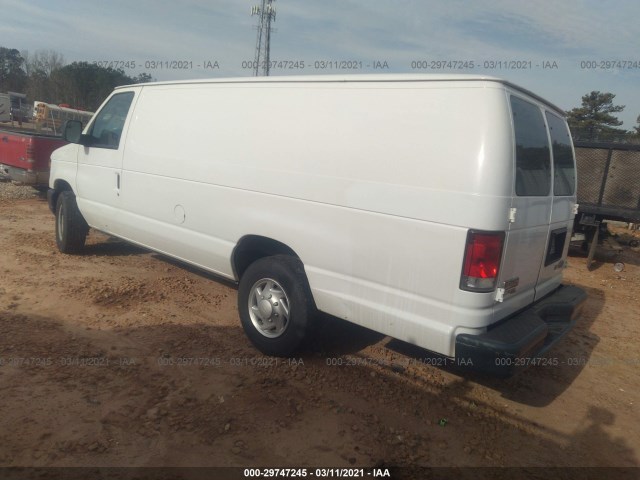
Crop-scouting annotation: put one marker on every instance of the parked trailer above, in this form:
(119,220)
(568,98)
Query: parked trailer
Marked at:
(5,107)
(13,107)
(608,188)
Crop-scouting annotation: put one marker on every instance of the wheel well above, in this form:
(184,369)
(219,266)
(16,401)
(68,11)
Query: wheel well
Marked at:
(253,247)
(61,186)
(58,186)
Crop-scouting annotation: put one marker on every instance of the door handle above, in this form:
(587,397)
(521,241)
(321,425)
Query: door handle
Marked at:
(118,183)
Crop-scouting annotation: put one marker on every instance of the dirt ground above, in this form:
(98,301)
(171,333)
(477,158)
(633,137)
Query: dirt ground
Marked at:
(120,357)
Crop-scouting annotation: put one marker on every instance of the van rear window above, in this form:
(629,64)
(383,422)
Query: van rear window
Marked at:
(533,162)
(564,172)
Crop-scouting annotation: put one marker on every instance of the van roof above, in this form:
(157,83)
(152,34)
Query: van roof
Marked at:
(364,78)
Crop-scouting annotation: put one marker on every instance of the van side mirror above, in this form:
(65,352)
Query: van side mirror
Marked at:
(72,132)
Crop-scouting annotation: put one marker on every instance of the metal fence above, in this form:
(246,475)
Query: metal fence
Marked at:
(585,136)
(609,180)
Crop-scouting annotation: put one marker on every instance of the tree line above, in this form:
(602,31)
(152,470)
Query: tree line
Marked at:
(594,120)
(44,76)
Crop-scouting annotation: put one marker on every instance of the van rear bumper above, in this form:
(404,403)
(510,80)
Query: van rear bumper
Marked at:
(521,340)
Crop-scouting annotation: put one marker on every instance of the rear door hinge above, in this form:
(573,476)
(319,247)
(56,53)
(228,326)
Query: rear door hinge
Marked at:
(512,215)
(507,288)
(575,209)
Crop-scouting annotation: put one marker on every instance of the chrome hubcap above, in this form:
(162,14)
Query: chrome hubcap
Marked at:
(269,307)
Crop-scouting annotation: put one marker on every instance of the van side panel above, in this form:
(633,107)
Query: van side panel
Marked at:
(374,186)
(347,143)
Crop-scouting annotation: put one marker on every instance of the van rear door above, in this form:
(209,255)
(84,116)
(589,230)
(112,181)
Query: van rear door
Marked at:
(531,209)
(561,220)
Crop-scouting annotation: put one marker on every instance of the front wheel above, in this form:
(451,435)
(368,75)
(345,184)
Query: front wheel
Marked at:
(71,228)
(275,304)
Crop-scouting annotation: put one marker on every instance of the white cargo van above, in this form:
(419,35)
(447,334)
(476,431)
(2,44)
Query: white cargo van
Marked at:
(436,209)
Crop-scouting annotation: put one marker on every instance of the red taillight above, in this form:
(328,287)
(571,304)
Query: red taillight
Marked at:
(481,261)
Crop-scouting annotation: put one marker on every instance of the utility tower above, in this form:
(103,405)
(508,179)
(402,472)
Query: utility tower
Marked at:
(267,13)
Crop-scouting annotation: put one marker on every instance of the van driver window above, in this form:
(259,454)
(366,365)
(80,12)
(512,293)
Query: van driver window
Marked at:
(107,127)
(533,160)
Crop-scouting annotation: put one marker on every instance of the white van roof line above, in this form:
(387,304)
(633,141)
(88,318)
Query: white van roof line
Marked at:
(387,77)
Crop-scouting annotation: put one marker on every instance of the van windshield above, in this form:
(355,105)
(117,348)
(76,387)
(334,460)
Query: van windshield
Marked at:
(533,162)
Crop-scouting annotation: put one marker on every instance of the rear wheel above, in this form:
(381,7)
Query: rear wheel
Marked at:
(71,228)
(275,304)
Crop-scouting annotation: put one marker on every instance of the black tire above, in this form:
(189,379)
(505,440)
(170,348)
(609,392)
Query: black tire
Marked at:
(71,228)
(290,296)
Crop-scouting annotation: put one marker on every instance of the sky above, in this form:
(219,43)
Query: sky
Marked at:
(560,50)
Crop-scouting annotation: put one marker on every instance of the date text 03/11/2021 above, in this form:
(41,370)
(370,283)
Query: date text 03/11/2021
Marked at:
(316,472)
